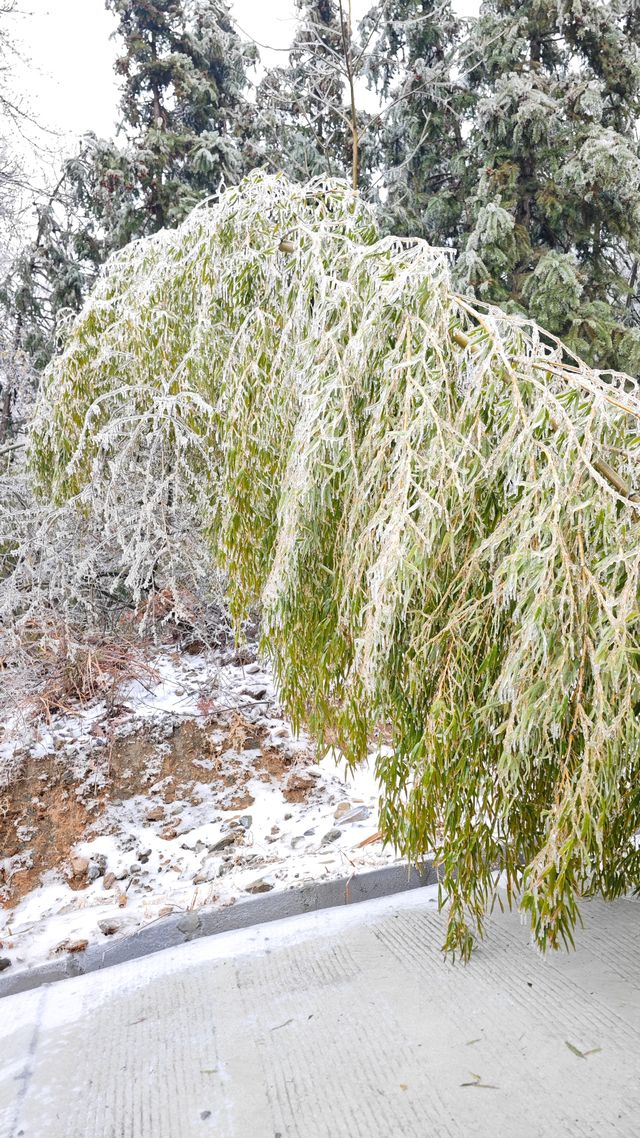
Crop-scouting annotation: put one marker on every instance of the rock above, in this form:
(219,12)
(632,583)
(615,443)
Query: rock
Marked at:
(4,963)
(259,886)
(79,866)
(257,692)
(342,808)
(205,1114)
(245,821)
(135,867)
(287,817)
(189,925)
(223,842)
(297,841)
(143,856)
(71,946)
(356,814)
(331,836)
(156,814)
(111,925)
(251,743)
(170,833)
(253,669)
(94,871)
(165,911)
(122,901)
(108,880)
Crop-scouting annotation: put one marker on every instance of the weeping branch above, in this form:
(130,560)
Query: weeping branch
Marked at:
(429,498)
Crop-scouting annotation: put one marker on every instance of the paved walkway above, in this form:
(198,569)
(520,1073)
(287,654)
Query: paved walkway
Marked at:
(344,1024)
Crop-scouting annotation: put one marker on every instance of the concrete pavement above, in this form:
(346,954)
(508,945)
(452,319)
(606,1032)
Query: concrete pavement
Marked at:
(338,1024)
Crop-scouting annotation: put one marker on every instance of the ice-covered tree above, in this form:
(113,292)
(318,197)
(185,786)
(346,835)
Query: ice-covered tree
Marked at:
(412,65)
(309,118)
(183,69)
(435,502)
(184,125)
(554,165)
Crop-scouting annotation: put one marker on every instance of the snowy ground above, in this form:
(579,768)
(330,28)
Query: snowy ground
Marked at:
(189,791)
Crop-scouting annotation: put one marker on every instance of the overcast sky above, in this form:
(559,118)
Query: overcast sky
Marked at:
(69,74)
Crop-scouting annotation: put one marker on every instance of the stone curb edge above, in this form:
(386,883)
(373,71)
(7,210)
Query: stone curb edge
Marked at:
(182,927)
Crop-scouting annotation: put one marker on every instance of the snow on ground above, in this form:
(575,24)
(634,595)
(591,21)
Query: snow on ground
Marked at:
(191,790)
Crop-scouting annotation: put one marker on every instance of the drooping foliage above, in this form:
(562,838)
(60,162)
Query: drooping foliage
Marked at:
(431,500)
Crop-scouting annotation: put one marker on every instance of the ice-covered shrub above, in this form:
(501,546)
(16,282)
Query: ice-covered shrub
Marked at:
(432,501)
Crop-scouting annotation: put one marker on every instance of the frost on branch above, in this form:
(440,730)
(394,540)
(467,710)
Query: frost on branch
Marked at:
(432,501)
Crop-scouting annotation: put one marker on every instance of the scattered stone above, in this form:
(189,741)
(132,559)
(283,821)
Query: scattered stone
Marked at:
(143,856)
(275,829)
(135,867)
(341,809)
(287,817)
(309,832)
(205,1114)
(165,911)
(253,669)
(251,743)
(224,841)
(79,866)
(246,821)
(156,814)
(259,886)
(109,880)
(94,871)
(122,901)
(356,814)
(258,692)
(297,841)
(4,963)
(170,833)
(331,836)
(111,925)
(189,924)
(70,946)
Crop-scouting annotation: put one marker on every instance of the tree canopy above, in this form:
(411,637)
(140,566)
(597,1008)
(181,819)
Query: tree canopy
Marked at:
(433,501)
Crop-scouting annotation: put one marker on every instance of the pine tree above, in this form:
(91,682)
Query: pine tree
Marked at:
(183,108)
(553,164)
(420,141)
(185,121)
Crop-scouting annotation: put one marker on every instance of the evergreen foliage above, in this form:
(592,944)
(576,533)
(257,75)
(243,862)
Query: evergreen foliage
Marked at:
(310,122)
(554,170)
(183,104)
(185,120)
(420,145)
(432,501)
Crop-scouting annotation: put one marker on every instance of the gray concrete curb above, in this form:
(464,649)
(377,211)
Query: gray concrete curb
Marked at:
(182,927)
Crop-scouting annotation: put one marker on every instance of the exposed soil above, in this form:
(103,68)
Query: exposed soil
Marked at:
(48,809)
